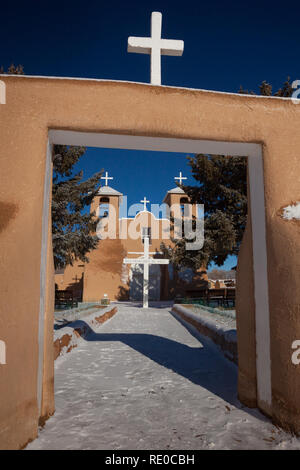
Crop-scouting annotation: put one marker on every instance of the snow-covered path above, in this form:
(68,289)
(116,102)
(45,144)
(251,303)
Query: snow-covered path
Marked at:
(142,381)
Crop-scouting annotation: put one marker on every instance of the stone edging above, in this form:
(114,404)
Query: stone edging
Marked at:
(68,337)
(226,339)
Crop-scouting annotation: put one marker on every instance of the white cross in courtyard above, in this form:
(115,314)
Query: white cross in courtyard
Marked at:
(155,46)
(106,178)
(146,261)
(180,178)
(144,201)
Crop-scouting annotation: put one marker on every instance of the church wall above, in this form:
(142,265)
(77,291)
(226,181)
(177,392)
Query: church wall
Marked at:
(106,273)
(35,105)
(71,279)
(114,202)
(103,274)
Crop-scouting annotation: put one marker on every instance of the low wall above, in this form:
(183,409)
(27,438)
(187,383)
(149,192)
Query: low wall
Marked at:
(68,336)
(223,336)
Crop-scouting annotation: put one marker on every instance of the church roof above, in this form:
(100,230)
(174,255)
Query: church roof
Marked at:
(108,191)
(176,190)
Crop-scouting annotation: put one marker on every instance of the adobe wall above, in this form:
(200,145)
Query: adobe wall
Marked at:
(245,321)
(35,105)
(71,278)
(105,273)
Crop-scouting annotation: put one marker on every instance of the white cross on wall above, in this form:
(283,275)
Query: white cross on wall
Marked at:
(155,46)
(180,178)
(144,201)
(106,178)
(145,261)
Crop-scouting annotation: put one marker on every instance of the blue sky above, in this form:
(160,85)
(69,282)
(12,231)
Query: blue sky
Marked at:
(227,44)
(137,173)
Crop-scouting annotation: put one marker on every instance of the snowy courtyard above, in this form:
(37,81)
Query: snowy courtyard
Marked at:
(143,381)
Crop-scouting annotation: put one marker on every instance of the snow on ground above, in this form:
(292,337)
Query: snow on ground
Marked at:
(143,381)
(212,316)
(292,211)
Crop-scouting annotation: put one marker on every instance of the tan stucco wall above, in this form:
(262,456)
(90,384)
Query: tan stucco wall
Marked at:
(71,278)
(35,105)
(108,261)
(245,310)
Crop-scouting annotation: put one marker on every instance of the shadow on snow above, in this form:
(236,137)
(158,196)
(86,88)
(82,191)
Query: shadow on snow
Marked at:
(202,365)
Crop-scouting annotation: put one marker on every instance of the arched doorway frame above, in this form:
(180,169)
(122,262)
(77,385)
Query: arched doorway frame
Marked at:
(253,152)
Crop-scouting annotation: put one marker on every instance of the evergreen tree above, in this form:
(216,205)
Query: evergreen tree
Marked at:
(287,90)
(222,188)
(73,232)
(223,191)
(265,89)
(13,70)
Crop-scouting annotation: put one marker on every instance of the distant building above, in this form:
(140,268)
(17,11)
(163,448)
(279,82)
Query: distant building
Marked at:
(106,273)
(220,278)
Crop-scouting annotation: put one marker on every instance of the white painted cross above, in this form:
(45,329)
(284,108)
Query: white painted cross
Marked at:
(155,46)
(144,201)
(180,178)
(146,261)
(106,178)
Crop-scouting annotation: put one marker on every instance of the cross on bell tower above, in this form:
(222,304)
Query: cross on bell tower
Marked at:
(106,178)
(144,201)
(180,178)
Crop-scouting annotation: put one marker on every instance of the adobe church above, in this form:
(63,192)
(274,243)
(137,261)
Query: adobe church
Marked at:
(106,272)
